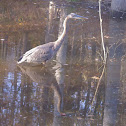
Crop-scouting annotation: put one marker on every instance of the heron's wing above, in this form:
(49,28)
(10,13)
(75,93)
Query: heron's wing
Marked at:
(24,57)
(40,53)
(30,52)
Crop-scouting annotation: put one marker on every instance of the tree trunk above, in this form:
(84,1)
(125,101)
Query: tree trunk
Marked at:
(118,8)
(113,89)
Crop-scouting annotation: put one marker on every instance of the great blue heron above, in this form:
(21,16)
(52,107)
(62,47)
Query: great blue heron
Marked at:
(43,53)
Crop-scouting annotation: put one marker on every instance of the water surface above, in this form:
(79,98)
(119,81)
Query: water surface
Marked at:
(54,94)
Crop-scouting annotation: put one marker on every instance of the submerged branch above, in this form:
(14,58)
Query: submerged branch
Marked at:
(97,87)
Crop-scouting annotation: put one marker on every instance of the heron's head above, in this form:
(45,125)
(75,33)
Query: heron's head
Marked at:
(73,15)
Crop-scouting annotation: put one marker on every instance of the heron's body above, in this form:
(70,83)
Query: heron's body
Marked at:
(39,54)
(43,53)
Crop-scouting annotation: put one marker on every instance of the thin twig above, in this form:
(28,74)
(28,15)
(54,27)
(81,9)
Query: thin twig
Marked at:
(100,67)
(100,55)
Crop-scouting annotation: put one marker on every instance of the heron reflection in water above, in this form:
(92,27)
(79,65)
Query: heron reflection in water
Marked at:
(43,53)
(45,78)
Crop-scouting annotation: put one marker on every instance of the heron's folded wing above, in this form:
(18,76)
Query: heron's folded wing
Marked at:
(41,55)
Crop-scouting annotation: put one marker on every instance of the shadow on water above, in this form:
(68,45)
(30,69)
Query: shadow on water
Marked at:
(61,93)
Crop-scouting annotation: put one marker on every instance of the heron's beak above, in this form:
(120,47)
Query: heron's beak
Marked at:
(80,17)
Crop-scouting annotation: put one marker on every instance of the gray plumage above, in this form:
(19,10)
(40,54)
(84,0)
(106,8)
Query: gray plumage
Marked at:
(43,53)
(39,54)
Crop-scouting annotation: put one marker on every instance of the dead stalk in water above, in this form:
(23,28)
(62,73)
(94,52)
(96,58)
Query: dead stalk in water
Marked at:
(97,87)
(104,56)
(102,39)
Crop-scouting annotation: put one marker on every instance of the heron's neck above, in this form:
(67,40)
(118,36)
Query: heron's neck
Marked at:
(60,39)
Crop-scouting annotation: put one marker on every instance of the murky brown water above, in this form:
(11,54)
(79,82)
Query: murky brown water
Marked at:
(56,95)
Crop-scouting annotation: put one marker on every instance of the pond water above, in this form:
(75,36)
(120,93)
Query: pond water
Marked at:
(55,94)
